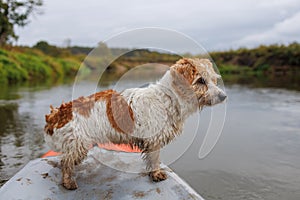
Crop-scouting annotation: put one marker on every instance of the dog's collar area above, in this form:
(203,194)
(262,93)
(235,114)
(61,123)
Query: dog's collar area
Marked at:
(175,101)
(167,88)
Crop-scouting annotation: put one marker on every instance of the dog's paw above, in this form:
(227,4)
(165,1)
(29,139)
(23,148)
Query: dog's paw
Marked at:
(70,185)
(158,175)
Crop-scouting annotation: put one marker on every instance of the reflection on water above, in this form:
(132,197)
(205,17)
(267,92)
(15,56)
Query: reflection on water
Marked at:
(289,80)
(257,156)
(22,111)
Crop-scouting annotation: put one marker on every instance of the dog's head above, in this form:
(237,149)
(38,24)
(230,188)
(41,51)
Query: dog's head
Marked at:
(199,79)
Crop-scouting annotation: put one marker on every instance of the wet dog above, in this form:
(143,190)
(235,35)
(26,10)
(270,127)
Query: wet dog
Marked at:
(148,118)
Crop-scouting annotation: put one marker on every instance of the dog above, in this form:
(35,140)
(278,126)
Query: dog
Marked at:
(147,118)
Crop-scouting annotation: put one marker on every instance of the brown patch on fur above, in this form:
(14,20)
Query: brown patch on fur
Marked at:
(58,117)
(186,69)
(119,113)
(83,106)
(182,87)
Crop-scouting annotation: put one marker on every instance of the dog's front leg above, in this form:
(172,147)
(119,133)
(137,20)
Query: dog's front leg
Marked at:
(153,164)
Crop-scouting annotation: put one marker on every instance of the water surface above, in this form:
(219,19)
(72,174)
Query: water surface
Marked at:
(257,156)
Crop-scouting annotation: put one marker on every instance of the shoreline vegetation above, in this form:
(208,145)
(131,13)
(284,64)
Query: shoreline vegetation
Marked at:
(44,62)
(23,64)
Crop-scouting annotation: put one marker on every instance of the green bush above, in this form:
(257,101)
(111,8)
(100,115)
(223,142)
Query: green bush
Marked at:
(34,65)
(23,64)
(68,66)
(11,71)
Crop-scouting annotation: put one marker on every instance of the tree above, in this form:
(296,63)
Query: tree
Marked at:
(15,13)
(51,49)
(102,50)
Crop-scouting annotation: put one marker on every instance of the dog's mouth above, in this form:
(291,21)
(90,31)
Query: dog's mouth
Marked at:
(210,101)
(201,102)
(217,99)
(200,107)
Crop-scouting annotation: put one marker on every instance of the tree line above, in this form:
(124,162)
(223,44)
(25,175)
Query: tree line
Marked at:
(257,58)
(262,57)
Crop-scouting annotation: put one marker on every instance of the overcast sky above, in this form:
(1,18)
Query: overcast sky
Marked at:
(215,24)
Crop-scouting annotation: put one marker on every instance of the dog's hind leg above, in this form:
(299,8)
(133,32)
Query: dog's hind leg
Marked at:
(151,156)
(74,153)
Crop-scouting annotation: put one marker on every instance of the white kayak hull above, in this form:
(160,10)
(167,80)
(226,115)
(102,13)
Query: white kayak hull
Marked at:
(41,179)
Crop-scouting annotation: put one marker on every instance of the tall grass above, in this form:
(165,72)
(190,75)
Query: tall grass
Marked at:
(20,65)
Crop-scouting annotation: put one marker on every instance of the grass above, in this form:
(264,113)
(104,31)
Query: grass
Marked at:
(21,65)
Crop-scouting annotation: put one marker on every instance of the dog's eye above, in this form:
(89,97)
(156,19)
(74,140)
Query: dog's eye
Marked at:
(201,80)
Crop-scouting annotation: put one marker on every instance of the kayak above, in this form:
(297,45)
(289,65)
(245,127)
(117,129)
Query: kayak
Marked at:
(105,174)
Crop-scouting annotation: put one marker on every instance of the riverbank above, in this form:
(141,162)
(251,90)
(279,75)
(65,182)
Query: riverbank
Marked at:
(28,64)
(44,62)
(263,60)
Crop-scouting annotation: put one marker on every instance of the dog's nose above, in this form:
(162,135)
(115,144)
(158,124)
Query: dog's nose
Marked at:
(222,96)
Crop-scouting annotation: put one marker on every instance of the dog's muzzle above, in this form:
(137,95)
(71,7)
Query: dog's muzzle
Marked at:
(222,96)
(217,95)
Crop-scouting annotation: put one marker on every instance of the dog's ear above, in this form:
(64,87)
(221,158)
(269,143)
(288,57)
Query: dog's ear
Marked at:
(181,85)
(186,69)
(178,79)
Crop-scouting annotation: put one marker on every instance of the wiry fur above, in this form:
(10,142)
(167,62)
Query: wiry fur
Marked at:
(145,117)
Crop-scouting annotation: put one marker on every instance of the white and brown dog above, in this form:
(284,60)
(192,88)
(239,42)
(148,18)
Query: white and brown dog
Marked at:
(148,118)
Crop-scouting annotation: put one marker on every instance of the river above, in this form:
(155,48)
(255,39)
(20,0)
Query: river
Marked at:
(256,157)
